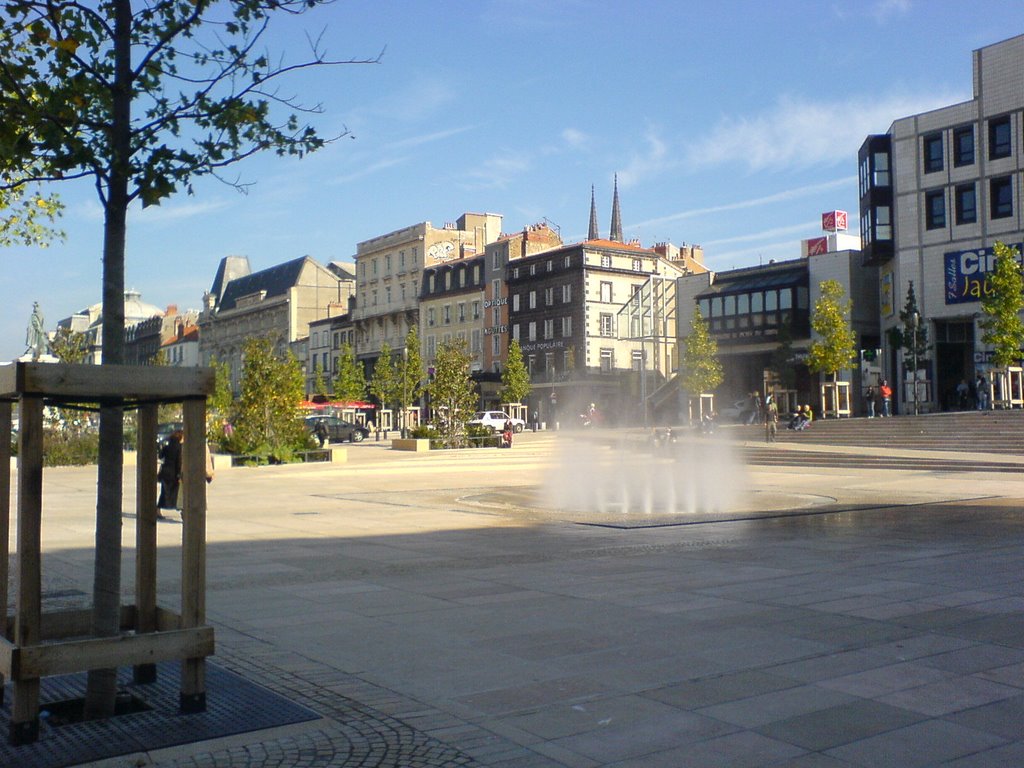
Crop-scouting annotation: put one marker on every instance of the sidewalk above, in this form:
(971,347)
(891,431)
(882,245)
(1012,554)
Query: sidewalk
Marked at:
(431,617)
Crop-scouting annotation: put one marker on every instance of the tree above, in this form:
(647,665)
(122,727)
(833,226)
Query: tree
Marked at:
(350,381)
(515,379)
(384,382)
(27,215)
(701,368)
(319,383)
(781,362)
(835,348)
(142,102)
(1002,305)
(912,337)
(269,421)
(69,346)
(452,393)
(410,374)
(220,405)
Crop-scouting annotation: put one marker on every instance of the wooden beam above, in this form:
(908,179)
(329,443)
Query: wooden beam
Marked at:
(27,612)
(73,656)
(5,513)
(87,383)
(193,549)
(145,532)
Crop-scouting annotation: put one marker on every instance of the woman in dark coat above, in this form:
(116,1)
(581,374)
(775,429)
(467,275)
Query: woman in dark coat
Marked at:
(169,473)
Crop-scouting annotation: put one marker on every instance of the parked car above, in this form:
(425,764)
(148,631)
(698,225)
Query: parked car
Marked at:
(495,421)
(737,413)
(338,430)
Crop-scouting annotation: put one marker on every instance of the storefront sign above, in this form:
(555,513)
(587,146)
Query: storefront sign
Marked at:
(495,329)
(966,274)
(495,302)
(540,346)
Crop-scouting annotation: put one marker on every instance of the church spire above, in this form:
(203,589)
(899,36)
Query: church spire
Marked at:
(593,234)
(616,233)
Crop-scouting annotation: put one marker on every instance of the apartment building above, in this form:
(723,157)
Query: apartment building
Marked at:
(937,191)
(389,273)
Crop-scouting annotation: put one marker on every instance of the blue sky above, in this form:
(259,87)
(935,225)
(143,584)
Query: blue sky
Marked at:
(730,124)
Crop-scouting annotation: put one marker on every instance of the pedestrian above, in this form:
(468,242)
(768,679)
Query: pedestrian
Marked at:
(869,401)
(962,392)
(169,473)
(320,432)
(981,385)
(886,392)
(771,419)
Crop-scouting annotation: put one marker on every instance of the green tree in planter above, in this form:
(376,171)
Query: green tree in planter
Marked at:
(319,382)
(268,419)
(781,362)
(1002,305)
(515,379)
(835,348)
(409,373)
(385,380)
(220,407)
(912,336)
(350,381)
(453,395)
(701,369)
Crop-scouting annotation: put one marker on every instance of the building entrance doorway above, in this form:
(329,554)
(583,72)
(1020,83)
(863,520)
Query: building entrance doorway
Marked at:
(954,359)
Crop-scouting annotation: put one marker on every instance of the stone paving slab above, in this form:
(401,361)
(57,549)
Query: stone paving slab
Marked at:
(427,630)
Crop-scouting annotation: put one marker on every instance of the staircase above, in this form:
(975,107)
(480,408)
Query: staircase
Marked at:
(1000,432)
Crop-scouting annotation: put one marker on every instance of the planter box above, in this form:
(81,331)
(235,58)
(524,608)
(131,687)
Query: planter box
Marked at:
(410,444)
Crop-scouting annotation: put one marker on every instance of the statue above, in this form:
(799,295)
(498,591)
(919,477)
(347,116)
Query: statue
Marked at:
(35,336)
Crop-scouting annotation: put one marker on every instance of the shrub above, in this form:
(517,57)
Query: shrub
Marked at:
(61,450)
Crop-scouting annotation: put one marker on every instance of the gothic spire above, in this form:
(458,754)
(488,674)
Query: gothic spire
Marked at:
(616,233)
(593,234)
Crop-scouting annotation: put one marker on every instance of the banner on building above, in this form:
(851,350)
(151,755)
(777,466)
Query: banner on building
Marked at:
(966,273)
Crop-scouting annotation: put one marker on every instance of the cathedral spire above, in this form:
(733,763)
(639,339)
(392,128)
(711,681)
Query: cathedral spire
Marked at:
(593,234)
(616,233)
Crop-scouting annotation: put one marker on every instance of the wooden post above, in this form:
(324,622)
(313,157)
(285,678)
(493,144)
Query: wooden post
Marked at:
(145,533)
(24,726)
(5,519)
(193,550)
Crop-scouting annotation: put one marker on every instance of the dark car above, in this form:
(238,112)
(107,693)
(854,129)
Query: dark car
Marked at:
(338,430)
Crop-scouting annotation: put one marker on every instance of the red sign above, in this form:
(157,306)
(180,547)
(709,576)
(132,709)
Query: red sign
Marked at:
(816,245)
(833,221)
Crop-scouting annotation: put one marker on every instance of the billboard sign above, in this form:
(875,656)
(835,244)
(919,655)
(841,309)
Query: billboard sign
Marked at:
(834,221)
(815,246)
(966,273)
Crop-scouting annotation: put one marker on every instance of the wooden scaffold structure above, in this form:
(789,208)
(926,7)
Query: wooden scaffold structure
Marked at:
(33,644)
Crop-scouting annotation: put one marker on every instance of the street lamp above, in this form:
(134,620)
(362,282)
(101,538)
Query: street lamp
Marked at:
(405,390)
(915,319)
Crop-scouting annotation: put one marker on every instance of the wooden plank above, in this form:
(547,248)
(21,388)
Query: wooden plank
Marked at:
(58,625)
(145,519)
(86,383)
(193,546)
(103,652)
(27,611)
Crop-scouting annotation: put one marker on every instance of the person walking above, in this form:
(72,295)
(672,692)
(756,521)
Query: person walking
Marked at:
(981,385)
(869,401)
(169,473)
(886,392)
(320,432)
(771,419)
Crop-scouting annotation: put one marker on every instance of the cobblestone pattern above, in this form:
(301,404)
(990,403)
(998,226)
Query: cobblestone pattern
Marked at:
(366,726)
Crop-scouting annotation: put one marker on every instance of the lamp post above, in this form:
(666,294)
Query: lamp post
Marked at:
(405,391)
(915,319)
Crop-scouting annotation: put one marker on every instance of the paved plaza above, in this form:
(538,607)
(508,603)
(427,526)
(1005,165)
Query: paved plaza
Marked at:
(508,609)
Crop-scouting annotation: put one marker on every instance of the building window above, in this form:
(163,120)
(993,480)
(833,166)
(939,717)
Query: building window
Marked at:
(567,326)
(607,360)
(387,295)
(606,323)
(448,279)
(549,296)
(963,146)
(476,310)
(606,292)
(532,332)
(401,259)
(495,345)
(1002,197)
(496,315)
(549,328)
(883,223)
(638,265)
(387,263)
(531,363)
(999,142)
(933,153)
(881,160)
(606,260)
(403,291)
(476,342)
(935,209)
(533,300)
(374,264)
(550,265)
(431,347)
(549,363)
(566,359)
(636,360)
(431,316)
(515,273)
(447,314)
(515,332)
(431,282)
(966,204)
(567,293)
(515,302)
(462,311)
(533,269)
